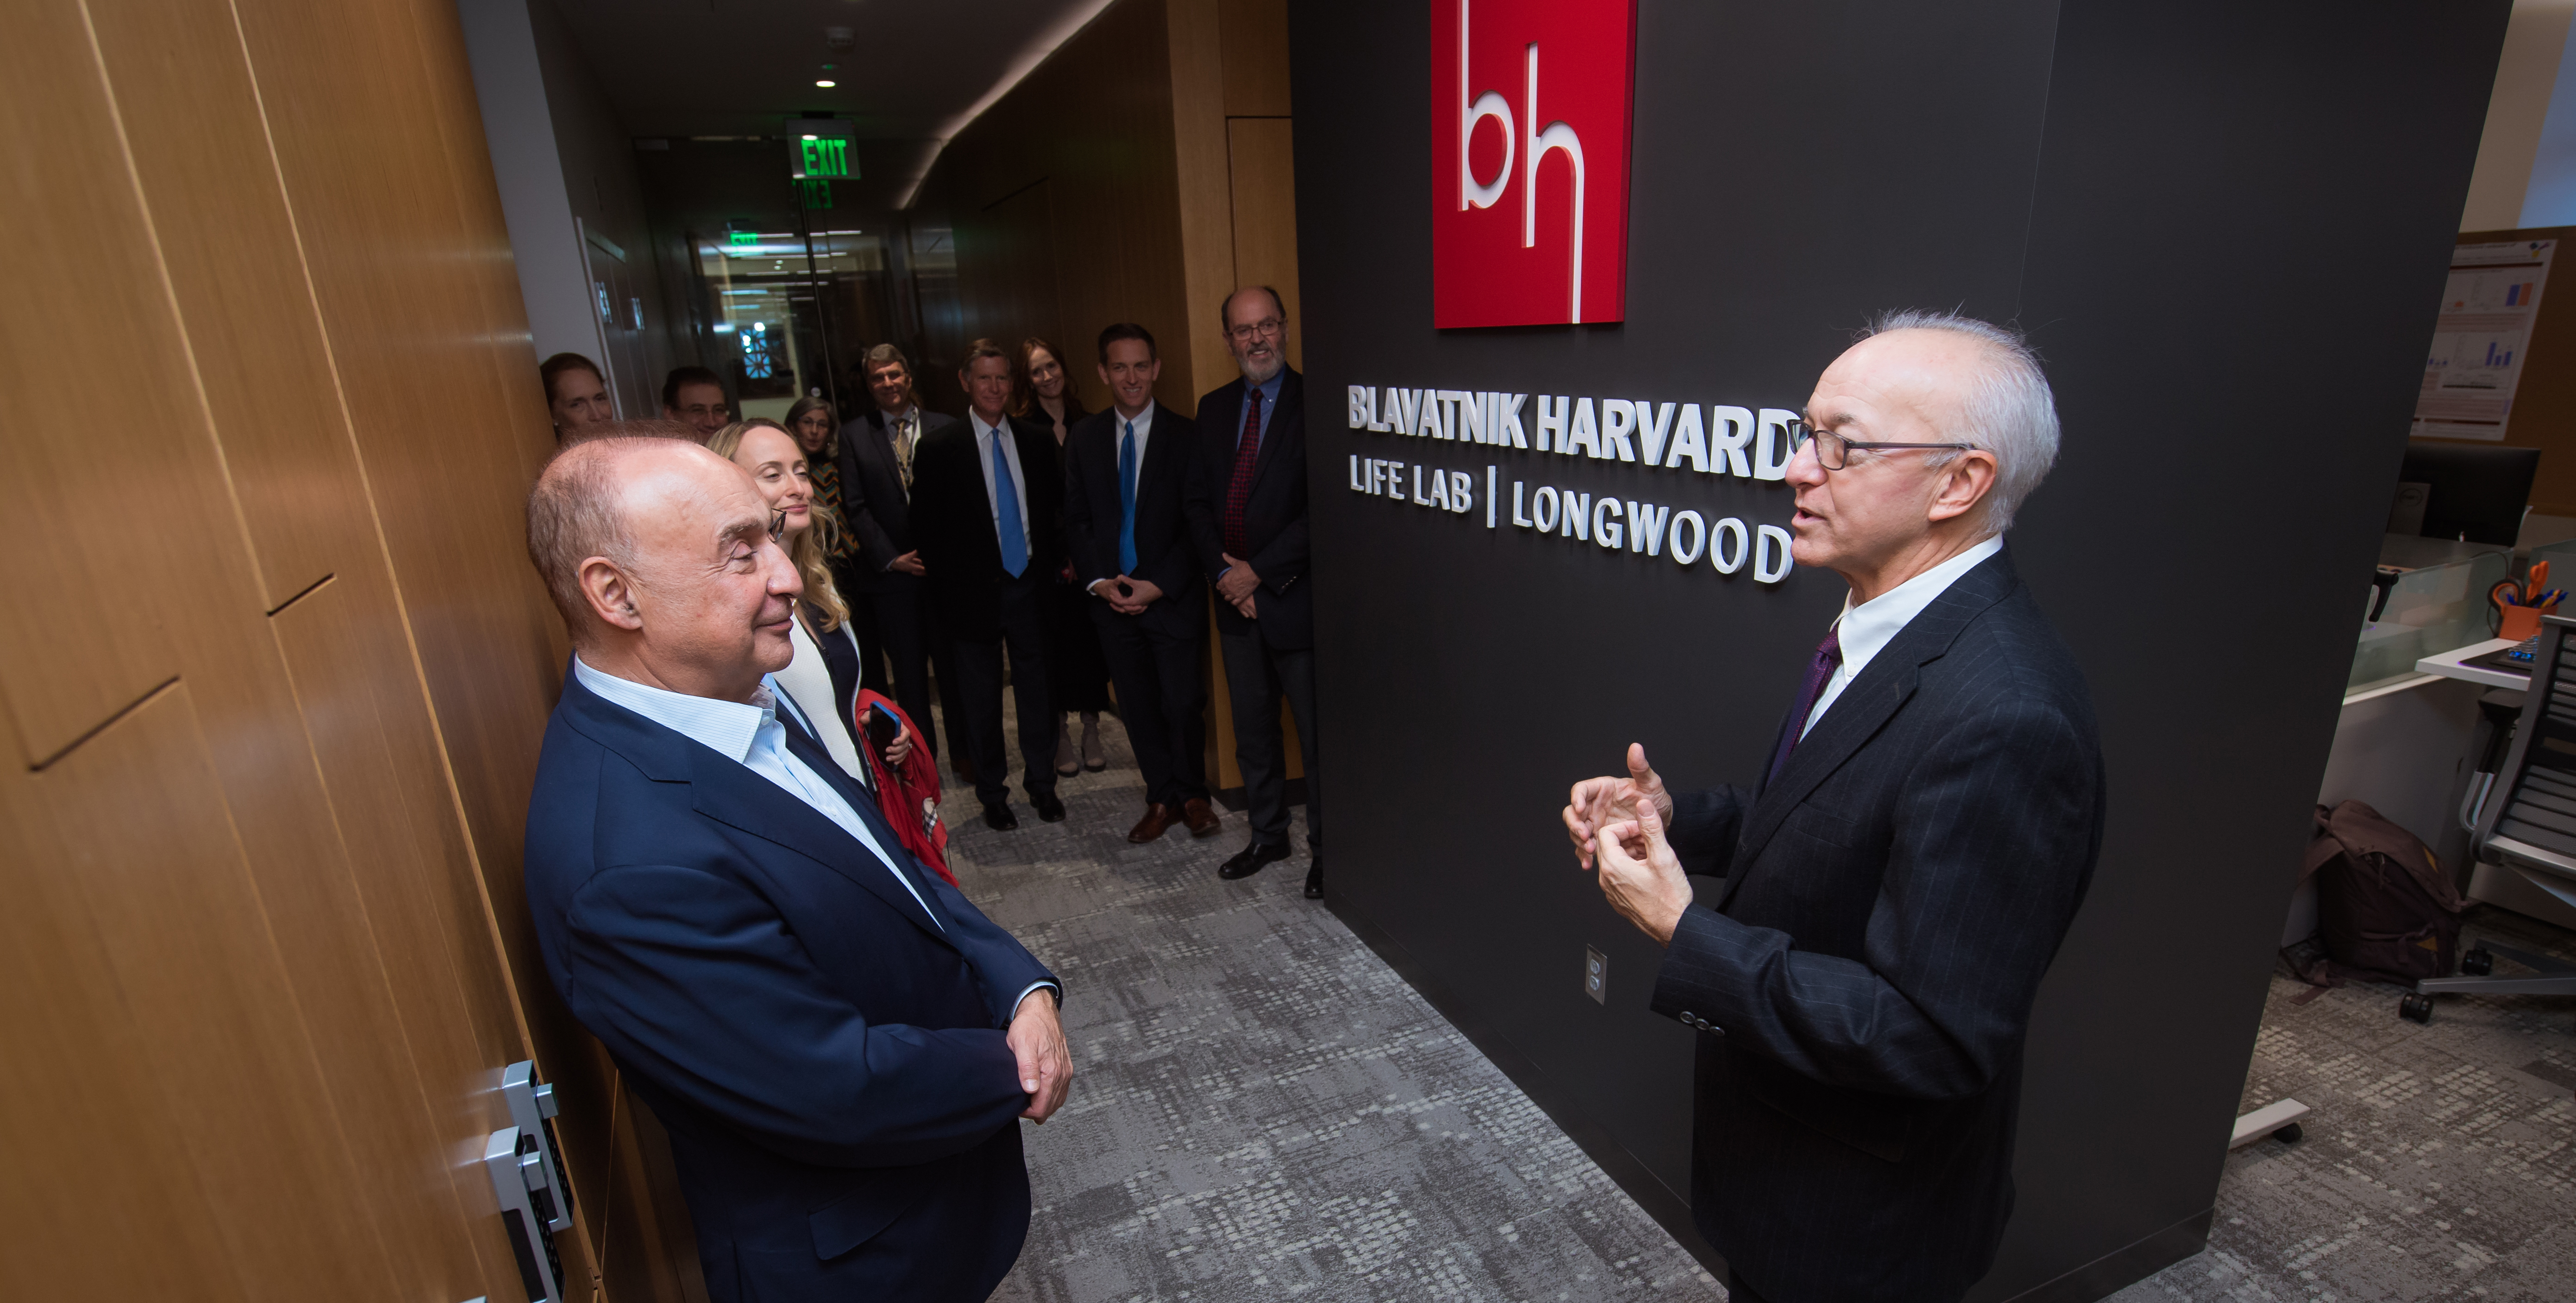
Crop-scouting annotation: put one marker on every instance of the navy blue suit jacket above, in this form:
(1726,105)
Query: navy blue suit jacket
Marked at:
(1864,975)
(828,1059)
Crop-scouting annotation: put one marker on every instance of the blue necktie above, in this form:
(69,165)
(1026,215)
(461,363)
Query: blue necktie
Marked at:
(1006,505)
(1127,501)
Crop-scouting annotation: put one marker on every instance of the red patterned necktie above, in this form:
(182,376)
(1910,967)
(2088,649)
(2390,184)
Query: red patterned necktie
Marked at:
(1238,495)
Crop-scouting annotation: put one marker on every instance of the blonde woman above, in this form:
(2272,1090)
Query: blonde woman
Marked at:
(823,680)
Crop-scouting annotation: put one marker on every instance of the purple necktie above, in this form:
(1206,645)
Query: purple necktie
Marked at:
(1829,654)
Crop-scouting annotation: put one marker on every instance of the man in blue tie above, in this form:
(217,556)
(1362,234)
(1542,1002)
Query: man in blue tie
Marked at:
(1126,470)
(838,1042)
(986,498)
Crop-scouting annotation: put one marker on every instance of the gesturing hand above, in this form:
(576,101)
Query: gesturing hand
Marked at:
(1046,1065)
(1598,801)
(1641,877)
(909,563)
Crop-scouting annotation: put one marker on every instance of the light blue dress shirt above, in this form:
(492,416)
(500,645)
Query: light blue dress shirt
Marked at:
(752,735)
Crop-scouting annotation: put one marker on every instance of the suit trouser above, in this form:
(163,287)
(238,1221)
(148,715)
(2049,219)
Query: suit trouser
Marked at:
(1257,676)
(1162,699)
(903,627)
(1023,615)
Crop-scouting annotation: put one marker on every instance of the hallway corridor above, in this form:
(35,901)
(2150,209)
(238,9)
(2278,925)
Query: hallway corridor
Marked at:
(1262,1107)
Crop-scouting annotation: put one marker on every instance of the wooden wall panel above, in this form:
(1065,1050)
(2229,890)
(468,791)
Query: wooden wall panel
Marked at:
(1254,34)
(1261,175)
(138,840)
(280,673)
(72,206)
(99,1209)
(414,288)
(228,244)
(1197,41)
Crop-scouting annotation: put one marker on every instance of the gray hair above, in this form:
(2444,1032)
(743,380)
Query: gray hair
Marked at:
(576,512)
(2009,410)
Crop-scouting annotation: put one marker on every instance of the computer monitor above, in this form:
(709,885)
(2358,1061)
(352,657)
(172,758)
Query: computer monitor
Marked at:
(2476,493)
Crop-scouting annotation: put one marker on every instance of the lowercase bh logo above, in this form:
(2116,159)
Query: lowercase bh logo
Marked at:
(1529,159)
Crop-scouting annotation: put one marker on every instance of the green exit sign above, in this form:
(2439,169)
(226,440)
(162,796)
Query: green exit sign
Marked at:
(822,157)
(739,238)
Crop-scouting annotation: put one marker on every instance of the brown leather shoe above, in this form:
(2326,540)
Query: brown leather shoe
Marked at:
(1202,820)
(1157,821)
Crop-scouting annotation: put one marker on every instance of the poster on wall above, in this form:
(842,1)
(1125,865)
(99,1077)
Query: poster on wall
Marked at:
(2479,340)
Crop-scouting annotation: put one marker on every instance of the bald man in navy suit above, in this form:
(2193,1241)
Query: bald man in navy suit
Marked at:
(839,1043)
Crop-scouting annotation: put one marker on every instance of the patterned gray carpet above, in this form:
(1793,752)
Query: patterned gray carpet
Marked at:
(1261,1107)
(1264,1109)
(2440,1162)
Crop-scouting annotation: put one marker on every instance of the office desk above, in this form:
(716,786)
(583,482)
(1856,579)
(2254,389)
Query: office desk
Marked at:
(2453,664)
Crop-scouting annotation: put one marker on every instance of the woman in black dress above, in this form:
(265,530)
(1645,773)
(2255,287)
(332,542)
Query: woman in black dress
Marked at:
(1081,677)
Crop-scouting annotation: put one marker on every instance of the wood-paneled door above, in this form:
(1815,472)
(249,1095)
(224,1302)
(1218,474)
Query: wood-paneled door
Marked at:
(273,669)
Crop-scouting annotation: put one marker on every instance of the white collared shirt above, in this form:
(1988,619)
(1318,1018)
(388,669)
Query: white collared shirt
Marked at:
(985,437)
(1866,629)
(1144,424)
(751,734)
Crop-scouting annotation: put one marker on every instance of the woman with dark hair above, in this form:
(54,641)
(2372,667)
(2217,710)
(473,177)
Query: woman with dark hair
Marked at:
(576,394)
(1081,677)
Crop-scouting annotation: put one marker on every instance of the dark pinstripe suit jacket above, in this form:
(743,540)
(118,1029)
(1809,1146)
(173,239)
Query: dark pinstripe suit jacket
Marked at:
(1867,973)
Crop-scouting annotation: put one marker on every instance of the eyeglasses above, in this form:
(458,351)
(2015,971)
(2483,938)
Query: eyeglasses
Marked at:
(778,526)
(1833,452)
(1247,333)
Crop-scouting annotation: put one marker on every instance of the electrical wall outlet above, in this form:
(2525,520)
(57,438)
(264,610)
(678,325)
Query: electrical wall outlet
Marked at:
(1596,976)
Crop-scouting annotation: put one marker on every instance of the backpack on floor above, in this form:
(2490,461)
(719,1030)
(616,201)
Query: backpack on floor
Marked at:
(2385,908)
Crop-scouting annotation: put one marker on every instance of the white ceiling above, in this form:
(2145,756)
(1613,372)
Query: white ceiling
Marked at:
(917,71)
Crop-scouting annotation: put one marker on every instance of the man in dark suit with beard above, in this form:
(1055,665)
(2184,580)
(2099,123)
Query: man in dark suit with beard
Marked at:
(877,452)
(1247,508)
(986,498)
(1125,472)
(1899,879)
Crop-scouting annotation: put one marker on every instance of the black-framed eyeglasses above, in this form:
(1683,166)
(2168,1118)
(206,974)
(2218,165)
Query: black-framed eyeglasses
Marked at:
(778,526)
(1833,452)
(1250,331)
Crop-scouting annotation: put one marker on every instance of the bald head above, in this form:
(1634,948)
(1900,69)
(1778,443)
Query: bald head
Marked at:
(586,499)
(660,555)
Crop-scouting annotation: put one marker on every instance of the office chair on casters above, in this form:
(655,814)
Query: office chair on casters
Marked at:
(2526,822)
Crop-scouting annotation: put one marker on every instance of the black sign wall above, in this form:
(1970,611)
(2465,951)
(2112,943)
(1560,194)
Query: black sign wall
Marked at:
(2226,227)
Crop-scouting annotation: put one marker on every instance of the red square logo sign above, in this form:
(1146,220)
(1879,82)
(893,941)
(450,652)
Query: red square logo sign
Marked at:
(1529,160)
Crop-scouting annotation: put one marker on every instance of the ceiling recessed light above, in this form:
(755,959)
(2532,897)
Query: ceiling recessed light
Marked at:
(826,83)
(813,137)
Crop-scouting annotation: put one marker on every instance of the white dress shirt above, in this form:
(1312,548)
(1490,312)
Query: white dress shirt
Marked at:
(1144,424)
(751,734)
(985,437)
(1866,629)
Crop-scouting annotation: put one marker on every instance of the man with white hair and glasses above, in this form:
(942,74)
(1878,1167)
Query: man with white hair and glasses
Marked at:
(1899,878)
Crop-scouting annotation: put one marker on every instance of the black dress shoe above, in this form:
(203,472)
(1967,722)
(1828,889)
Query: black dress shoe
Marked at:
(1251,860)
(1050,808)
(999,818)
(1315,877)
